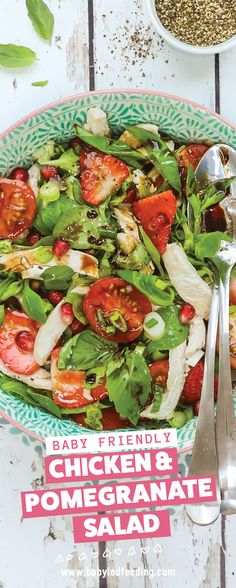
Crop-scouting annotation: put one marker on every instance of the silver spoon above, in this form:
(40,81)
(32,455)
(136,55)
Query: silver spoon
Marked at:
(218,162)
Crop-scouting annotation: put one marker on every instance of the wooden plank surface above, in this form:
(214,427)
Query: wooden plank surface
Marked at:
(65,64)
(130,54)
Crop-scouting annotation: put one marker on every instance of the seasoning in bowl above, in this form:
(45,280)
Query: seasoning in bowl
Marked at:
(198,22)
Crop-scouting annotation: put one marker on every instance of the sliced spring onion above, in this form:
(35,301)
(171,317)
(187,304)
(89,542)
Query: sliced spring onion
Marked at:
(154,326)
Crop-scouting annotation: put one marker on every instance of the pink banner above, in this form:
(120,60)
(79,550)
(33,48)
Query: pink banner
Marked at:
(105,466)
(121,526)
(139,494)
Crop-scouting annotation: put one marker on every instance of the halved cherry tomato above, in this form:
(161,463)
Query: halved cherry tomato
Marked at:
(156,215)
(115,309)
(17,335)
(191,155)
(111,420)
(17,208)
(69,386)
(232,293)
(159,371)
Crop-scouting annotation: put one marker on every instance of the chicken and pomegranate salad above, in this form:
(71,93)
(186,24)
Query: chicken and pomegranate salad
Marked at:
(106,277)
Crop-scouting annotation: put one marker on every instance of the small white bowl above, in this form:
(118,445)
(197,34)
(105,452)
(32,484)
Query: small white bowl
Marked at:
(172,40)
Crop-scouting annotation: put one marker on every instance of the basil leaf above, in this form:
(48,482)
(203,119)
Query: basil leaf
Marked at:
(48,216)
(142,135)
(58,277)
(2,313)
(175,332)
(33,304)
(83,232)
(167,166)
(29,395)
(67,161)
(115,148)
(16,56)
(150,286)
(9,287)
(40,84)
(85,351)
(5,246)
(207,244)
(41,17)
(129,385)
(152,250)
(77,303)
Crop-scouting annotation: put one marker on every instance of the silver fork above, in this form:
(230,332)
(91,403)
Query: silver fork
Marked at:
(225,259)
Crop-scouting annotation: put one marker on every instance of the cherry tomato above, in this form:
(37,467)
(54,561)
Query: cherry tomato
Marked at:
(159,371)
(111,420)
(115,309)
(17,208)
(99,392)
(69,386)
(191,155)
(156,214)
(17,336)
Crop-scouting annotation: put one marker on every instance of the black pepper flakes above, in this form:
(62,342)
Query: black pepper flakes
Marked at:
(199,22)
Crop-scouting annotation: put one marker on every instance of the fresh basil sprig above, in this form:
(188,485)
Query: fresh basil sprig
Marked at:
(167,166)
(116,148)
(38,398)
(9,288)
(40,84)
(41,17)
(175,333)
(156,290)
(58,277)
(85,351)
(16,56)
(129,384)
(33,304)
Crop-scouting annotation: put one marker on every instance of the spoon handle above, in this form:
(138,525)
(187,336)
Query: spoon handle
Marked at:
(204,457)
(225,420)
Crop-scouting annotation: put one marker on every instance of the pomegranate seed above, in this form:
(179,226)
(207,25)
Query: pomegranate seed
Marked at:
(33,237)
(186,313)
(55,297)
(77,327)
(196,407)
(67,312)
(48,172)
(132,195)
(159,222)
(60,247)
(19,173)
(25,341)
(74,143)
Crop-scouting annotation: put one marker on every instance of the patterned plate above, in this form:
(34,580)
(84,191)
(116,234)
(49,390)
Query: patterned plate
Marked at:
(176,117)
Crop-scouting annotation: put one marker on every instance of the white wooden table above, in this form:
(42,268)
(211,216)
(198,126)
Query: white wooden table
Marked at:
(100,44)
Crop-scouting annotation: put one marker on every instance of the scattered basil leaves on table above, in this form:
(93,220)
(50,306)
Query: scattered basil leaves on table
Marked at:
(41,17)
(40,84)
(16,56)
